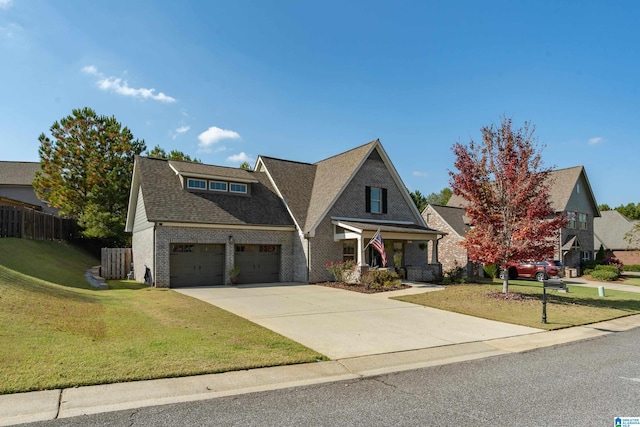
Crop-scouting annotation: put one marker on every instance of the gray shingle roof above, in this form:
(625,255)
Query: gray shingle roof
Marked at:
(391,228)
(563,181)
(310,189)
(18,173)
(295,182)
(165,199)
(609,230)
(454,216)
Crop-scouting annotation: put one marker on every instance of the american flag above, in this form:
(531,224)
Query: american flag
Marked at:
(378,245)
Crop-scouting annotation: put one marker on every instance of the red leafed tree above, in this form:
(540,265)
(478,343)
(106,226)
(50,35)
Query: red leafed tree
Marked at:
(506,190)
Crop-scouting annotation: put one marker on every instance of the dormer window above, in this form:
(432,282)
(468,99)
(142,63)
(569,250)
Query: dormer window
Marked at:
(235,187)
(196,184)
(217,186)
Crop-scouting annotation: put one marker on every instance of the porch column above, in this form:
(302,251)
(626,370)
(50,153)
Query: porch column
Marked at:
(360,250)
(434,251)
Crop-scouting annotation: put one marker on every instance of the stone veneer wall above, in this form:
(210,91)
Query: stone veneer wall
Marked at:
(167,235)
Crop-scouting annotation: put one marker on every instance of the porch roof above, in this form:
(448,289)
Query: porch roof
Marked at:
(399,231)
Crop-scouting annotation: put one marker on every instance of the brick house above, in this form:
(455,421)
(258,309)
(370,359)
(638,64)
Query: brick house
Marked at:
(610,230)
(452,221)
(283,221)
(570,194)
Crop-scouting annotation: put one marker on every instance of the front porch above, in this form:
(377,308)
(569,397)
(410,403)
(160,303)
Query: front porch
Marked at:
(410,249)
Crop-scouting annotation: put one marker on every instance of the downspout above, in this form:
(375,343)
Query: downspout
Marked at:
(309,236)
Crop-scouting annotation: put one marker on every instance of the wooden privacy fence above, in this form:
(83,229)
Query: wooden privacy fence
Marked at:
(115,263)
(27,223)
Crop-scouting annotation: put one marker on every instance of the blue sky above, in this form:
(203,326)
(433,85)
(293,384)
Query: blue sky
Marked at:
(302,80)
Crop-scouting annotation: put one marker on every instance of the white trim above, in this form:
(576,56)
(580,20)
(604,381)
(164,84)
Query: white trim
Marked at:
(226,185)
(375,221)
(218,177)
(174,169)
(133,198)
(226,226)
(206,183)
(246,187)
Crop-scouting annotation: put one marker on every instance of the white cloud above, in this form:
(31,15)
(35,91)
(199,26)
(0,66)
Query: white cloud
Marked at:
(213,135)
(239,158)
(596,140)
(121,87)
(180,131)
(420,174)
(10,30)
(5,4)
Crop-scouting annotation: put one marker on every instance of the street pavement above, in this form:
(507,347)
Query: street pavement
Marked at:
(52,404)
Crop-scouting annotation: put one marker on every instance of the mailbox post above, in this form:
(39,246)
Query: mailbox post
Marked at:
(550,284)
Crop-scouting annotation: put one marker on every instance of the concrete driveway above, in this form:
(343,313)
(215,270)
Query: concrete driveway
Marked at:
(342,324)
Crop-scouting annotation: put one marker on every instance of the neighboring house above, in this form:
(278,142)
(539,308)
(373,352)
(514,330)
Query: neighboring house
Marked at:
(452,221)
(610,230)
(16,187)
(570,193)
(284,221)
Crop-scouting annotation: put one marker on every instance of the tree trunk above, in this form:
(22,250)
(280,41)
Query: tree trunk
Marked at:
(505,283)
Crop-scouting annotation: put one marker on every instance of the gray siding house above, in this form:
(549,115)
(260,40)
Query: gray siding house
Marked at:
(16,188)
(284,221)
(570,193)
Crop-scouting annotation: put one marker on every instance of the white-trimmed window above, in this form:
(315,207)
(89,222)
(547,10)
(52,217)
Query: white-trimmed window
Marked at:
(572,220)
(196,184)
(218,186)
(236,187)
(348,250)
(376,200)
(582,221)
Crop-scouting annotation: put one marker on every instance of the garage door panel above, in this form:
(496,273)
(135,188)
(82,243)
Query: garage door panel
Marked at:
(196,265)
(258,263)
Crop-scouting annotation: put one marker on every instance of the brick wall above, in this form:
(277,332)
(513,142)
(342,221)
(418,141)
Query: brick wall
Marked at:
(351,204)
(628,257)
(167,235)
(450,253)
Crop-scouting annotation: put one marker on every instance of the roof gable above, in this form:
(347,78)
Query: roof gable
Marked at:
(18,173)
(562,186)
(454,216)
(610,229)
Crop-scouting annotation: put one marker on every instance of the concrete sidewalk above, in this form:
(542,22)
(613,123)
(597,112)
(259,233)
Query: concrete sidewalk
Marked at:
(52,404)
(617,286)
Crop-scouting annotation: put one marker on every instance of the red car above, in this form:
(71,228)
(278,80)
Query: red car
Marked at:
(539,270)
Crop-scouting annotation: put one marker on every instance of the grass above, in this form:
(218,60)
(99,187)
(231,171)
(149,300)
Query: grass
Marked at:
(635,281)
(57,331)
(578,307)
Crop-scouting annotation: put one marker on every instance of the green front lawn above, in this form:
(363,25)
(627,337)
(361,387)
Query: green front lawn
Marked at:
(56,331)
(578,307)
(635,281)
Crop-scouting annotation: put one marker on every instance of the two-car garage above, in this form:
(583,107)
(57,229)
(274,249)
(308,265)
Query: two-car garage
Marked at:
(203,264)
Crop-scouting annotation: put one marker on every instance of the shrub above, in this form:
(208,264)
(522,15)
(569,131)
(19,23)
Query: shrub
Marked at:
(611,268)
(587,271)
(491,270)
(601,254)
(603,274)
(338,269)
(588,265)
(454,274)
(378,278)
(631,267)
(614,261)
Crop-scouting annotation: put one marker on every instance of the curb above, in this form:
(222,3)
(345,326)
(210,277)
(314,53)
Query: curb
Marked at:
(52,404)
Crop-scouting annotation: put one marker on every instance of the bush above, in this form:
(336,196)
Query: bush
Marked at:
(611,268)
(631,267)
(453,275)
(587,271)
(378,278)
(491,270)
(604,274)
(588,265)
(338,269)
